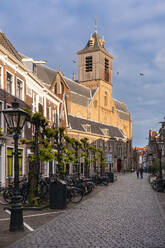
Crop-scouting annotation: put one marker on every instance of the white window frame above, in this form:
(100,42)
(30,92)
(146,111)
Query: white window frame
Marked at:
(22,82)
(87,128)
(54,116)
(34,103)
(1,78)
(2,116)
(12,86)
(49,113)
(105,131)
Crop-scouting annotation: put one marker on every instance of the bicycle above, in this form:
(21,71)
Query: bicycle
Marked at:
(158,184)
(74,194)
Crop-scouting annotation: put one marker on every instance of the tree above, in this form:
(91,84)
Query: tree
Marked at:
(76,145)
(95,156)
(41,151)
(62,154)
(86,153)
(102,161)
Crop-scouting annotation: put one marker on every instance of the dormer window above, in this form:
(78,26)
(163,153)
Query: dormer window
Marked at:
(88,63)
(105,131)
(90,42)
(87,128)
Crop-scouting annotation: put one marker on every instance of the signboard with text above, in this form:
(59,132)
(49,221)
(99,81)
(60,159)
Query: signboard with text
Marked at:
(109,158)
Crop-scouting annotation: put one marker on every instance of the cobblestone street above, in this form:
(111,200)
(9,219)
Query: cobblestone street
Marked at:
(125,214)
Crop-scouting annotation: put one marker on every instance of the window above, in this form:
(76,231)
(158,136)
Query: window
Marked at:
(10,162)
(105,99)
(62,88)
(55,88)
(20,161)
(95,103)
(87,128)
(9,82)
(19,89)
(90,42)
(49,113)
(106,69)
(1,78)
(59,88)
(88,63)
(106,64)
(40,103)
(1,116)
(34,103)
(54,116)
(105,131)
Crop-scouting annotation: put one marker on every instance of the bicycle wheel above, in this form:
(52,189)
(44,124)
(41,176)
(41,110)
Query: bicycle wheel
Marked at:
(76,195)
(7,195)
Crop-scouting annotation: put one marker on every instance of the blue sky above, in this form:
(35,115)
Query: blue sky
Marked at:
(54,30)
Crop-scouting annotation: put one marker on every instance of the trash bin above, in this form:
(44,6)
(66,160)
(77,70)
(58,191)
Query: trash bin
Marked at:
(111,177)
(57,195)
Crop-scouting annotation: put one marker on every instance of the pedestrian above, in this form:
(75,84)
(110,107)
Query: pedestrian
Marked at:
(141,172)
(137,172)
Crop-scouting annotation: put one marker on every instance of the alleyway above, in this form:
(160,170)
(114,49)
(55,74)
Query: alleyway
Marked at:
(125,214)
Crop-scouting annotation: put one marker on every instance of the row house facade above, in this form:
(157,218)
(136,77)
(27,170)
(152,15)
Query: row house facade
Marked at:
(18,83)
(156,147)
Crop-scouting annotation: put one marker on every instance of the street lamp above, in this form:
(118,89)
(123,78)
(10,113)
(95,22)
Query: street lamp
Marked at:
(16,118)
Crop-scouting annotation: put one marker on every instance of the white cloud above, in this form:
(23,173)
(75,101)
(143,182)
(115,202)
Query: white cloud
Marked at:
(160,59)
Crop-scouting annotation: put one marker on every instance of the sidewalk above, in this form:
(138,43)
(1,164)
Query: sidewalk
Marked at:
(34,219)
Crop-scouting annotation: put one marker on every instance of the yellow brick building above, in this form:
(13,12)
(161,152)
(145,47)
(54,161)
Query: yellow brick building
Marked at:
(89,110)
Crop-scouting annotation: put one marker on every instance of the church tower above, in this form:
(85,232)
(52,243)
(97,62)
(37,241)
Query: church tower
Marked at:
(94,63)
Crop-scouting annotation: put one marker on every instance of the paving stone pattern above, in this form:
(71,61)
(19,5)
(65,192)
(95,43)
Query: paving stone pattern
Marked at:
(125,214)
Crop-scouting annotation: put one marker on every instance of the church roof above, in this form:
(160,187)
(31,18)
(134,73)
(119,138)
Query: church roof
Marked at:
(8,46)
(78,88)
(77,123)
(45,73)
(122,110)
(78,91)
(121,106)
(97,45)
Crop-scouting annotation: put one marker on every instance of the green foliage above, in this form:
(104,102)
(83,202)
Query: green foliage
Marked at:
(1,133)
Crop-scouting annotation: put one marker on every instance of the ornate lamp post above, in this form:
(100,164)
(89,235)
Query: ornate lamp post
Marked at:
(15,118)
